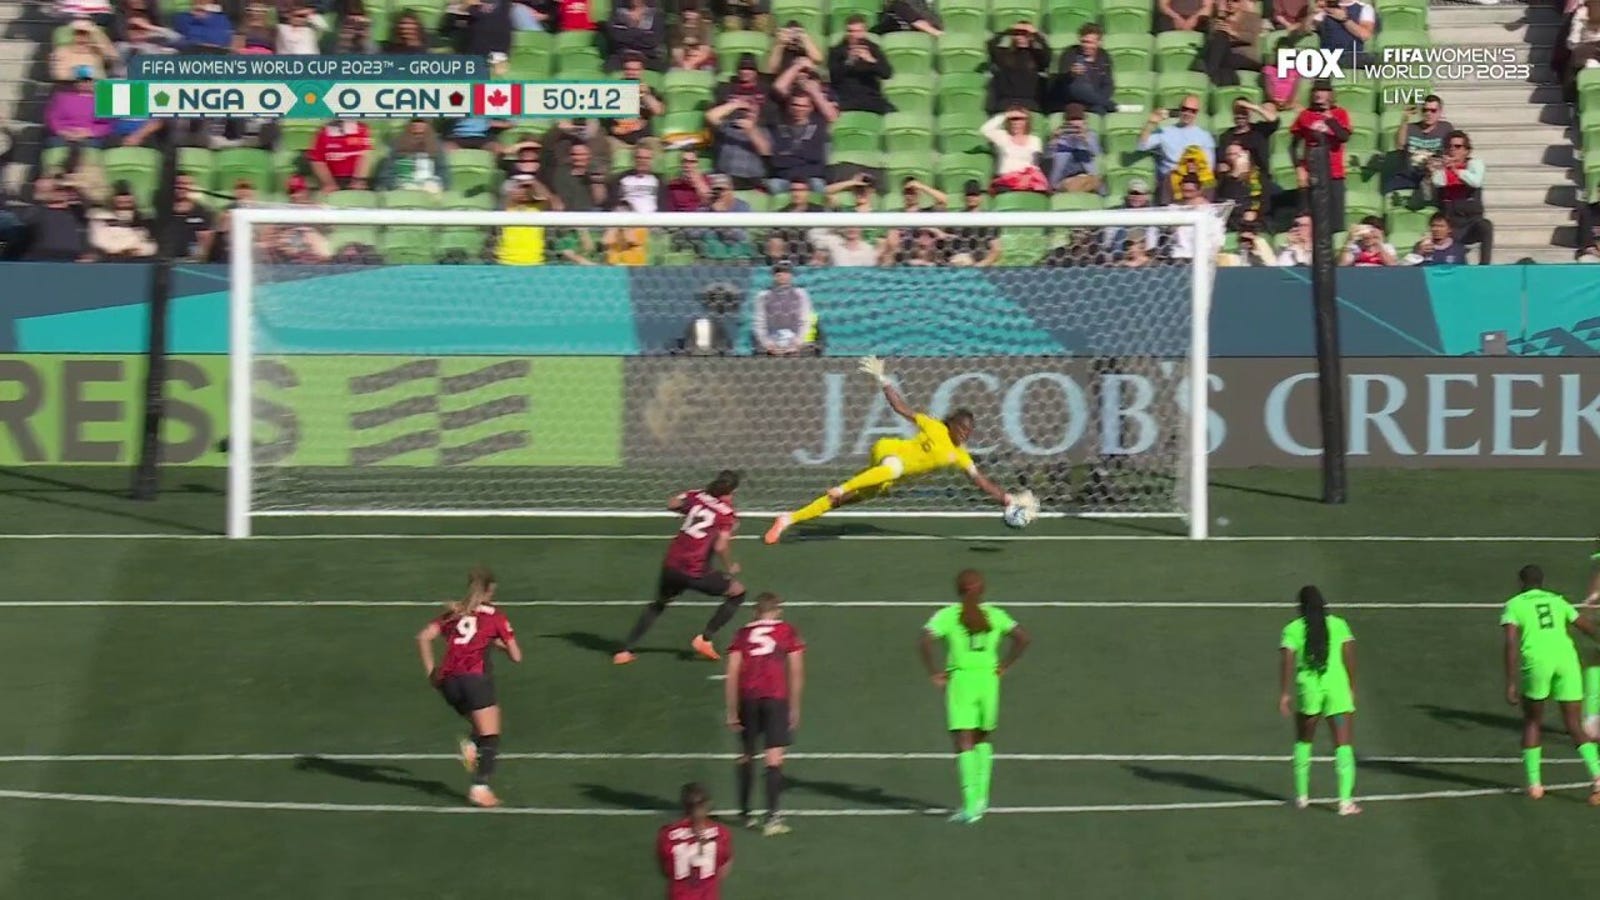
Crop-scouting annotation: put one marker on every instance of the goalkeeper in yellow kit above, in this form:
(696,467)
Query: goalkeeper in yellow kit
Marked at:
(937,445)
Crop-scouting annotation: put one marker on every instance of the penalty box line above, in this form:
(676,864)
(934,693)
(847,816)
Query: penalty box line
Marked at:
(850,756)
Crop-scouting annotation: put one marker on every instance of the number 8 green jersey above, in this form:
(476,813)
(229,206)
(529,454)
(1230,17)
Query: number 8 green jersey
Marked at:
(967,652)
(1542,618)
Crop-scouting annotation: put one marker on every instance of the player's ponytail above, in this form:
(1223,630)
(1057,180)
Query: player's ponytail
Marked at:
(480,590)
(973,617)
(1314,610)
(726,482)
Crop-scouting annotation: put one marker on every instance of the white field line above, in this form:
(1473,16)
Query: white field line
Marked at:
(728,757)
(795,604)
(890,538)
(290,806)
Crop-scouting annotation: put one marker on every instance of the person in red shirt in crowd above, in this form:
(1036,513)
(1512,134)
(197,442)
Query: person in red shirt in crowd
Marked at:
(574,15)
(690,191)
(341,155)
(1324,122)
(766,676)
(709,521)
(471,628)
(695,851)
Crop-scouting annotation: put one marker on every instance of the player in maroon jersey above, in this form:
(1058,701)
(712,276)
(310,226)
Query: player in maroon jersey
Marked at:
(694,852)
(471,628)
(766,676)
(709,521)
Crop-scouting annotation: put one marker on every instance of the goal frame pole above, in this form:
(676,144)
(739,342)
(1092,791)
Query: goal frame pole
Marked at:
(1204,220)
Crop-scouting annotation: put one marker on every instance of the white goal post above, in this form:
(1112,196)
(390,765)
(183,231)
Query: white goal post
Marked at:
(1089,376)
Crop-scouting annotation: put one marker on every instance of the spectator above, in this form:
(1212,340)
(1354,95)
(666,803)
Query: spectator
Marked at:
(625,134)
(301,34)
(523,245)
(1016,151)
(1185,142)
(1184,240)
(1017,68)
(407,35)
(574,15)
(974,246)
(744,15)
(1297,242)
(690,40)
(913,192)
(1233,43)
(221,134)
(1292,18)
(1417,143)
(133,132)
(480,28)
(126,12)
(143,39)
(575,182)
(530,15)
(1133,254)
(81,172)
(1458,182)
(749,85)
(1583,42)
(416,159)
(1439,247)
(637,28)
(121,232)
(909,15)
(927,249)
(626,246)
(791,46)
(522,163)
(56,224)
(1325,123)
(783,321)
(1239,182)
(793,244)
(1367,246)
(571,247)
(1588,232)
(639,188)
(1077,247)
(191,224)
(473,133)
(1345,25)
(723,243)
(89,49)
(1183,15)
(848,248)
(1072,154)
(341,155)
(1254,251)
(690,190)
(203,28)
(355,30)
(1113,239)
(1254,136)
(1086,71)
(69,115)
(256,36)
(800,141)
(858,69)
(742,144)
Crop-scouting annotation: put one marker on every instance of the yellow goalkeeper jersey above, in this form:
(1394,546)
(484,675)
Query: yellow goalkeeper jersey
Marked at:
(931,450)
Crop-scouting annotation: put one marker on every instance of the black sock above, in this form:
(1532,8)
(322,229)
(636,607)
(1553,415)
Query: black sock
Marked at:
(488,749)
(646,619)
(774,789)
(747,781)
(722,616)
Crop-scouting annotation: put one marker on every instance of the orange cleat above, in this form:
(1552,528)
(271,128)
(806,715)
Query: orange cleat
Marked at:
(779,526)
(705,648)
(481,797)
(1536,791)
(1594,793)
(622,658)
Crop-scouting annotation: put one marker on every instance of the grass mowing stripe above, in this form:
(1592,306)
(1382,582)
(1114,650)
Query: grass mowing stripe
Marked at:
(729,757)
(795,604)
(291,806)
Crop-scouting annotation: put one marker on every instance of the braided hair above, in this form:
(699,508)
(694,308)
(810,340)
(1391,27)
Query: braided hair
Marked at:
(1314,610)
(969,585)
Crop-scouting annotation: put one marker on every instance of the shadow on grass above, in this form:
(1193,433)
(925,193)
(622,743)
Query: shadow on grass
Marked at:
(368,773)
(622,799)
(1267,492)
(1429,773)
(826,531)
(859,794)
(1195,781)
(38,488)
(596,643)
(1464,718)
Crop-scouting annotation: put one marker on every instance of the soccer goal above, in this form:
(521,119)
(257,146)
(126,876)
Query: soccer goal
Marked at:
(397,363)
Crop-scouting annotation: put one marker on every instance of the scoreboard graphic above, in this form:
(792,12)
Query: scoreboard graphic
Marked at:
(365,87)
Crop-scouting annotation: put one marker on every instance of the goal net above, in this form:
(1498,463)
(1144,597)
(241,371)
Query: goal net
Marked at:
(475,363)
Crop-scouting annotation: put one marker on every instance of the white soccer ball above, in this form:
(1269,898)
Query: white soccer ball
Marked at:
(1022,510)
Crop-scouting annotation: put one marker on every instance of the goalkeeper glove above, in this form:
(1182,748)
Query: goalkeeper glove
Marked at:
(873,366)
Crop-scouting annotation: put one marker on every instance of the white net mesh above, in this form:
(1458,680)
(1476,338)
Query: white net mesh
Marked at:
(561,386)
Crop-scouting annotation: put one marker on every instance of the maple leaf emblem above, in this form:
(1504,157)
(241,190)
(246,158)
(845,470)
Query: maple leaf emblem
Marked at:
(456,98)
(497,98)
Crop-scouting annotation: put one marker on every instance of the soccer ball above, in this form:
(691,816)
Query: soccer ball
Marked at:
(1022,511)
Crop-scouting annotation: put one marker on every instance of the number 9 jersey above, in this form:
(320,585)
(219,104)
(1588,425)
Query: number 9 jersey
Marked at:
(468,637)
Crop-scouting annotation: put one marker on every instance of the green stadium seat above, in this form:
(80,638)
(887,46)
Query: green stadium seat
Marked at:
(1076,201)
(1405,19)
(409,245)
(139,166)
(1172,87)
(692,122)
(1224,96)
(1134,89)
(1407,221)
(1129,52)
(857,141)
(1176,50)
(1117,179)
(809,15)
(569,42)
(963,53)
(580,66)
(409,199)
(1067,16)
(839,16)
(908,132)
(353,200)
(1389,119)
(472,171)
(959,92)
(1389,37)
(1360,206)
(965,19)
(909,52)
(1021,201)
(730,45)
(345,235)
(1126,17)
(866,159)
(759,201)
(198,163)
(54,159)
(461,200)
(911,94)
(684,91)
(456,242)
(1021,246)
(857,120)
(1588,91)
(1005,13)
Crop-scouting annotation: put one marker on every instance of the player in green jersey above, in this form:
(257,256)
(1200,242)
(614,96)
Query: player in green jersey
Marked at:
(1316,681)
(1591,673)
(1542,664)
(972,632)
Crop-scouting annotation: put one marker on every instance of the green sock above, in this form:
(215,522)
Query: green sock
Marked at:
(1530,761)
(1302,768)
(967,763)
(1591,758)
(1344,765)
(1591,691)
(985,753)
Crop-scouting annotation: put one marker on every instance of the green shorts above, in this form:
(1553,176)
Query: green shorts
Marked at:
(1559,679)
(972,701)
(1324,695)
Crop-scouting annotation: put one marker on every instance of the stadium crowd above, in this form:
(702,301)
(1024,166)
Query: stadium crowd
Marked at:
(750,107)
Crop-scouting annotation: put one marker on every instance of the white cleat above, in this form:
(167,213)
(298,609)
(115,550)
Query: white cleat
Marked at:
(1302,802)
(1348,808)
(774,827)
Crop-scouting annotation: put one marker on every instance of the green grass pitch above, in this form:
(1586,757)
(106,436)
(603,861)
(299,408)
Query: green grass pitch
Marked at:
(194,717)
